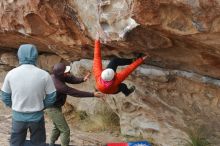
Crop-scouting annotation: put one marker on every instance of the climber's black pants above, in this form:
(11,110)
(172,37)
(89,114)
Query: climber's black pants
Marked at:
(115,62)
(124,89)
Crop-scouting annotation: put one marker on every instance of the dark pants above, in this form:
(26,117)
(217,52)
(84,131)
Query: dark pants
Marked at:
(113,64)
(37,133)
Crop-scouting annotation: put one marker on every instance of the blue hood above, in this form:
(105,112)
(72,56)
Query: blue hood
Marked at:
(27,54)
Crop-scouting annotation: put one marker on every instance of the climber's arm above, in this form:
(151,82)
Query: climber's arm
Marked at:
(97,62)
(123,74)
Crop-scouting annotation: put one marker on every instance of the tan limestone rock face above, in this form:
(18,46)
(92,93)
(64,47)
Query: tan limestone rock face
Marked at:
(47,61)
(9,58)
(164,106)
(47,24)
(178,34)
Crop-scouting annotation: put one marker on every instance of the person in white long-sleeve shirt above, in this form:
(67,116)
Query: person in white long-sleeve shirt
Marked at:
(28,90)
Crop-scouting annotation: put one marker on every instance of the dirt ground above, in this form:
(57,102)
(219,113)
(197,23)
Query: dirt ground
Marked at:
(78,138)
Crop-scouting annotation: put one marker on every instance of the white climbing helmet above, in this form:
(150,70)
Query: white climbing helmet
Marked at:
(108,74)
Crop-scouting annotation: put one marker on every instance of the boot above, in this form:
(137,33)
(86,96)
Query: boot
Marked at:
(131,90)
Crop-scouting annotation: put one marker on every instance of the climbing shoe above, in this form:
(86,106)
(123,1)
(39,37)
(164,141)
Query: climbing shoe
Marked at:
(131,90)
(137,56)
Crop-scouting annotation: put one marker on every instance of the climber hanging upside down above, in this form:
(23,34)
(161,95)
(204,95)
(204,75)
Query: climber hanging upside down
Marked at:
(109,81)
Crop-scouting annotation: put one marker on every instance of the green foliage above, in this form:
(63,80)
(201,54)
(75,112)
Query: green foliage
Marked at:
(104,119)
(196,138)
(151,140)
(108,116)
(83,115)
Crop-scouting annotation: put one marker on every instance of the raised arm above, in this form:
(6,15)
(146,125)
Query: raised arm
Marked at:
(123,74)
(97,61)
(71,79)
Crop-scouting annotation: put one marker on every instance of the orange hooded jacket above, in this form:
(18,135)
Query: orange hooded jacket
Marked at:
(119,77)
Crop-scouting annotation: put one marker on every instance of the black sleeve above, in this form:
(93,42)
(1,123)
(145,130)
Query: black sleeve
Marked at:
(73,80)
(74,92)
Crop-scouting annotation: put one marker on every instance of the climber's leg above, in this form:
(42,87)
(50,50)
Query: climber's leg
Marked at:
(115,62)
(125,90)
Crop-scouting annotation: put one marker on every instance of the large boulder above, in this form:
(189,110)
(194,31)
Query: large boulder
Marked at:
(178,34)
(182,38)
(165,106)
